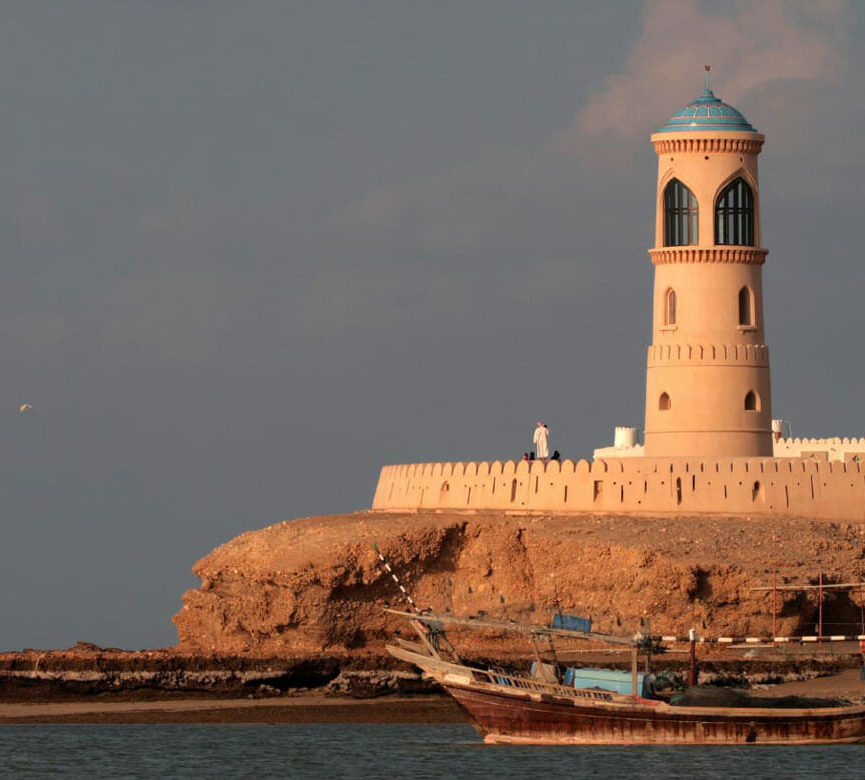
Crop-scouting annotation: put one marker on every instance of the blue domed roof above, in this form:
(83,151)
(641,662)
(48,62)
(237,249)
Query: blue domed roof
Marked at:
(707,113)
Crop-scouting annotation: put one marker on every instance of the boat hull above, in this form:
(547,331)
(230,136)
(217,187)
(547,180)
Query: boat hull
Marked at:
(501,716)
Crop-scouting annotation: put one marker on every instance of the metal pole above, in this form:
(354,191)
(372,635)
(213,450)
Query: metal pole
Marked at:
(405,593)
(692,669)
(774,606)
(820,608)
(647,628)
(859,579)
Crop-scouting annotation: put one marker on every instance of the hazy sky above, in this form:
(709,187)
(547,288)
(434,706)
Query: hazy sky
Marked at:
(252,251)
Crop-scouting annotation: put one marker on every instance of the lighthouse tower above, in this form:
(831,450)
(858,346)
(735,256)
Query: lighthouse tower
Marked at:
(707,378)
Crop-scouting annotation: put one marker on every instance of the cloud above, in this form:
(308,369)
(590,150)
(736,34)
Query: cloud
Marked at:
(545,206)
(776,54)
(748,45)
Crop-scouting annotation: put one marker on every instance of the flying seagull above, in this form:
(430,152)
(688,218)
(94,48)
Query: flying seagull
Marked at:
(24,408)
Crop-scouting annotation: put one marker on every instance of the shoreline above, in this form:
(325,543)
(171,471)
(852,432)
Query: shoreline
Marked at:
(317,708)
(313,708)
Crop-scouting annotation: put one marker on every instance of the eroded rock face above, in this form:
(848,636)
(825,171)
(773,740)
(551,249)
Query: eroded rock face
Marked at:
(315,585)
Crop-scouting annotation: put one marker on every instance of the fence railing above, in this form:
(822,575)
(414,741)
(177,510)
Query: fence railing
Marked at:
(538,686)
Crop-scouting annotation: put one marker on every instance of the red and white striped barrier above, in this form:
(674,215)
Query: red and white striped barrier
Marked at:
(756,640)
(390,571)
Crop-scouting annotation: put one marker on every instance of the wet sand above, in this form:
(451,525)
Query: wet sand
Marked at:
(296,709)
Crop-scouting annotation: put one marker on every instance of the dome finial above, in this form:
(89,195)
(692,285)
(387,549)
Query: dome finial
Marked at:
(707,112)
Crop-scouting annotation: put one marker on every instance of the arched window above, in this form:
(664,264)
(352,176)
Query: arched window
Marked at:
(746,306)
(670,307)
(664,402)
(680,215)
(734,214)
(752,402)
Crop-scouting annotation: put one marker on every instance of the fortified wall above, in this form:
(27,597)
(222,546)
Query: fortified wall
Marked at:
(837,448)
(710,444)
(791,487)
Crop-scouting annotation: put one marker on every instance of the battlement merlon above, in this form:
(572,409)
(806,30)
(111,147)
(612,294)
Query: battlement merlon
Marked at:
(794,487)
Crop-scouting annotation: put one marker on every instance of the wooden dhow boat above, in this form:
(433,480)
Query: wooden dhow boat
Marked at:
(548,708)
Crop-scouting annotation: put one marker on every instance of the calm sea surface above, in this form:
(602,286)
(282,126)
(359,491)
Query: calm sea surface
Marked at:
(355,751)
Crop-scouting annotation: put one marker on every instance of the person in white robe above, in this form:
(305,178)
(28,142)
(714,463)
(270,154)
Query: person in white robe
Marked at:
(541,440)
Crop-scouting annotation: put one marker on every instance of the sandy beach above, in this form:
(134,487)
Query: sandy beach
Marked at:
(844,685)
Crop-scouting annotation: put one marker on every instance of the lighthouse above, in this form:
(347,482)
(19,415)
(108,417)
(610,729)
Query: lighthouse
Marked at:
(707,377)
(708,444)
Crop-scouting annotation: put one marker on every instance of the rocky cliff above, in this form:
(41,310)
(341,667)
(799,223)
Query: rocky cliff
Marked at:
(314,585)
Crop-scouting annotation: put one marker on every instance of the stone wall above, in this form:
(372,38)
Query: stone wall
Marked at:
(837,448)
(794,487)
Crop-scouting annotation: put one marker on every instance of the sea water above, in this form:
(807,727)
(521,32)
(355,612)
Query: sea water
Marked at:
(335,751)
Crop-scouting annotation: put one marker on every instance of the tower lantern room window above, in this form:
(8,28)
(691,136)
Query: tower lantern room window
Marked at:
(680,215)
(734,214)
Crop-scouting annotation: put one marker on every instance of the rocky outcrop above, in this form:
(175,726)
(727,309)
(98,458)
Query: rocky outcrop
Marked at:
(87,670)
(315,585)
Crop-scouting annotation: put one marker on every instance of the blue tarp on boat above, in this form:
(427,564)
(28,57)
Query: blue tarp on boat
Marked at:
(572,623)
(605,679)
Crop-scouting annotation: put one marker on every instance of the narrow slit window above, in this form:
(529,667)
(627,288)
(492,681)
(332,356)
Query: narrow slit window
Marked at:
(664,403)
(758,493)
(670,307)
(746,306)
(752,402)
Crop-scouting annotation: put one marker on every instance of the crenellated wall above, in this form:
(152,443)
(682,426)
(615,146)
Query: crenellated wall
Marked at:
(834,449)
(796,487)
